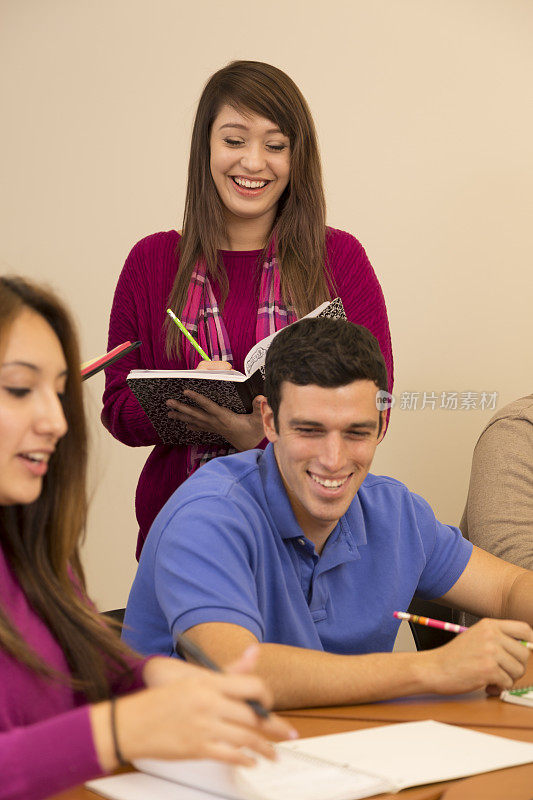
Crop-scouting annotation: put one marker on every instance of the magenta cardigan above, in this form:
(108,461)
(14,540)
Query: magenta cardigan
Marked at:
(46,742)
(138,312)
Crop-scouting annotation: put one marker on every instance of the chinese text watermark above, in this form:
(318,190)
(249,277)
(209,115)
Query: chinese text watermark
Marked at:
(449,401)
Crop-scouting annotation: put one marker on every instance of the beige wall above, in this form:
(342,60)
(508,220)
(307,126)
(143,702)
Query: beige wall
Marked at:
(424,111)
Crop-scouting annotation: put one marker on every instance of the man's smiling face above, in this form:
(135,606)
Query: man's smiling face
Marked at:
(324,444)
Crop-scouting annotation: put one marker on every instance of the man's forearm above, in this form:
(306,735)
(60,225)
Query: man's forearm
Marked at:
(519,601)
(486,655)
(300,678)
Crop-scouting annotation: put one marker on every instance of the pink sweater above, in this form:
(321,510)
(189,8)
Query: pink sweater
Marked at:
(138,312)
(46,743)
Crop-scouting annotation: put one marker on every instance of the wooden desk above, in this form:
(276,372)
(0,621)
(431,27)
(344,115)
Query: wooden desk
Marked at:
(507,784)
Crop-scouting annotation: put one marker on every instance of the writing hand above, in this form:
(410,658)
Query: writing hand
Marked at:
(488,655)
(213,365)
(191,714)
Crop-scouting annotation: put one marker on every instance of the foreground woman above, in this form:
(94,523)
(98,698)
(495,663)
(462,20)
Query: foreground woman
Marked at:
(61,665)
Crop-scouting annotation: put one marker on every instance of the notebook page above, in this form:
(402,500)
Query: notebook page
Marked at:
(137,786)
(256,356)
(210,776)
(298,776)
(415,753)
(293,776)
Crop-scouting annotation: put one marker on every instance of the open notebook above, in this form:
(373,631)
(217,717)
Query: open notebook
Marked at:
(342,766)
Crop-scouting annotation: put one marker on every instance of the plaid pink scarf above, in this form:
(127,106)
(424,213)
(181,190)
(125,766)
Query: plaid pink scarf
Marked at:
(201,316)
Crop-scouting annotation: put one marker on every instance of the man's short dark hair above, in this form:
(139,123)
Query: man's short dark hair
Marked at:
(323,351)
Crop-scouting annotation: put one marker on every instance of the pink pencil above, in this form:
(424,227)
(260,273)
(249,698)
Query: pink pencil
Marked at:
(431,623)
(443,626)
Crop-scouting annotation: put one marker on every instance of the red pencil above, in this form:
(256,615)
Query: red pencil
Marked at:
(93,366)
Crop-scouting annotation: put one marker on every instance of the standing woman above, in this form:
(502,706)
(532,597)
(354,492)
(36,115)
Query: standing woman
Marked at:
(254,255)
(61,665)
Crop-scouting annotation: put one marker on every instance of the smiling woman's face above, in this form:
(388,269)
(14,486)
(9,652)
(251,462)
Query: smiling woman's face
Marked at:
(250,164)
(32,380)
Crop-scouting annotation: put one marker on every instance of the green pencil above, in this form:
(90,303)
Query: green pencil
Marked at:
(186,333)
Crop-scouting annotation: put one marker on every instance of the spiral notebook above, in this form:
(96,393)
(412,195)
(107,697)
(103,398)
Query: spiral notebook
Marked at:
(342,766)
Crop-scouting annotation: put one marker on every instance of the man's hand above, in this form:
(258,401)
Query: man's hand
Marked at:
(243,431)
(489,655)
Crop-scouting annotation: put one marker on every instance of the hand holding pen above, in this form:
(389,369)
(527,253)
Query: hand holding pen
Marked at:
(187,649)
(188,712)
(243,431)
(490,655)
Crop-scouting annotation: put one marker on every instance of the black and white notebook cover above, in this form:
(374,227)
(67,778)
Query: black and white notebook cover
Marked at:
(229,388)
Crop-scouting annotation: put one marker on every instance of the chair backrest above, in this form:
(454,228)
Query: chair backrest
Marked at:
(117,614)
(427,638)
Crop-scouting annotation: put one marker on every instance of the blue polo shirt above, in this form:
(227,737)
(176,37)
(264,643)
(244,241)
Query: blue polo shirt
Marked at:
(226,547)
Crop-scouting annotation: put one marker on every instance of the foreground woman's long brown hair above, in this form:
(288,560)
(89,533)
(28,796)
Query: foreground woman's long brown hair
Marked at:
(41,541)
(74,700)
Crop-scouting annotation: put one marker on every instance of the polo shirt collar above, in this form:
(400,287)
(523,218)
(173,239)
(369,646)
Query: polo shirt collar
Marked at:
(352,524)
(276,496)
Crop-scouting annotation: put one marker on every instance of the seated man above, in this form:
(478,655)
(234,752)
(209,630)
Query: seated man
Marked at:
(300,549)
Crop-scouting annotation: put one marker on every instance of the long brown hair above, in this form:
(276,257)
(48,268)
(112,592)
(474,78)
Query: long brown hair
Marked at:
(41,540)
(300,226)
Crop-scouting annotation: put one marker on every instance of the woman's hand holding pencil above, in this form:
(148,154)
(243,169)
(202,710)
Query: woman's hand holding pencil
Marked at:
(243,431)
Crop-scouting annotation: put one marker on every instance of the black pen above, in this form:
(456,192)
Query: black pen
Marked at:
(184,647)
